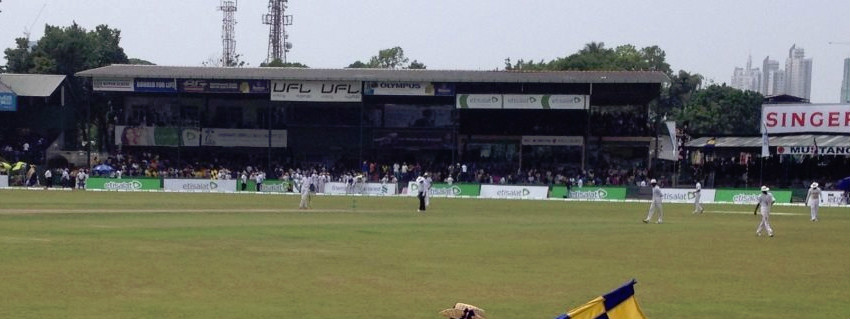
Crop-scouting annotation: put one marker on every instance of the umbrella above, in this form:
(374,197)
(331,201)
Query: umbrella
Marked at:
(103,169)
(844,184)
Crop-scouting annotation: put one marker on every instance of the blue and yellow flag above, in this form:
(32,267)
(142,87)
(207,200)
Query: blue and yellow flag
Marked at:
(617,304)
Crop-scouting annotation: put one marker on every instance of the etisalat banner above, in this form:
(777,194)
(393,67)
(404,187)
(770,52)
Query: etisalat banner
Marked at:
(522,101)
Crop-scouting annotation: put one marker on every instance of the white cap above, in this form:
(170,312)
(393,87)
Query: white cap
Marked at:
(653,181)
(815,185)
(764,189)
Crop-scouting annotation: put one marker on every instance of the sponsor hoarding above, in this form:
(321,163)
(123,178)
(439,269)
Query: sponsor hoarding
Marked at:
(112,85)
(223,86)
(810,150)
(832,198)
(123,184)
(684,195)
(399,88)
(269,186)
(243,137)
(446,190)
(444,89)
(4,181)
(514,192)
(805,118)
(155,85)
(317,91)
(8,102)
(146,136)
(412,139)
(200,185)
(743,196)
(590,193)
(553,140)
(336,188)
(479,101)
(565,102)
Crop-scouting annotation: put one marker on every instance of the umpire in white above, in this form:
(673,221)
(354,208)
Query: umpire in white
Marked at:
(657,197)
(813,198)
(421,182)
(765,201)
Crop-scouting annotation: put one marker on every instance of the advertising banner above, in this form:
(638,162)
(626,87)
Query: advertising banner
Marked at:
(810,150)
(200,185)
(805,118)
(514,192)
(155,85)
(243,137)
(224,86)
(479,101)
(124,184)
(565,102)
(590,193)
(146,136)
(269,186)
(446,190)
(336,188)
(524,101)
(112,85)
(684,195)
(4,181)
(739,196)
(412,139)
(8,102)
(553,140)
(444,89)
(317,91)
(828,198)
(399,88)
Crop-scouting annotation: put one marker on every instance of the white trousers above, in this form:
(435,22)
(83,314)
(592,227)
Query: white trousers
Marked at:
(815,205)
(427,199)
(764,224)
(305,200)
(652,208)
(697,204)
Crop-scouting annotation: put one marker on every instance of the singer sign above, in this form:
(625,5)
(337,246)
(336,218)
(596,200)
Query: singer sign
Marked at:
(806,118)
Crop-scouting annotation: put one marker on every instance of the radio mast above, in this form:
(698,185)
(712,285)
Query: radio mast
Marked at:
(228,32)
(277,21)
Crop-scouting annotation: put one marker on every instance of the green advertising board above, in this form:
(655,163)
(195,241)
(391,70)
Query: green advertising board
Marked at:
(590,193)
(123,184)
(444,189)
(748,196)
(269,186)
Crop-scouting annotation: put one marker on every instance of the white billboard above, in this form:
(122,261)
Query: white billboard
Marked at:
(399,88)
(337,188)
(832,198)
(317,91)
(684,195)
(479,101)
(812,150)
(514,192)
(112,85)
(805,118)
(243,137)
(553,140)
(565,102)
(4,181)
(200,185)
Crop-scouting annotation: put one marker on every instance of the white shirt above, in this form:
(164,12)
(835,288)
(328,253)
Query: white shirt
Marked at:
(421,183)
(657,195)
(48,174)
(463,168)
(699,187)
(305,184)
(765,202)
(259,178)
(814,195)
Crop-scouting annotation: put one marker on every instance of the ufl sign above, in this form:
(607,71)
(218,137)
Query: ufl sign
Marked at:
(317,91)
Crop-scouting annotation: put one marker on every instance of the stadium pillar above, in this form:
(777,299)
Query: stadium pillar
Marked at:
(269,121)
(586,130)
(87,143)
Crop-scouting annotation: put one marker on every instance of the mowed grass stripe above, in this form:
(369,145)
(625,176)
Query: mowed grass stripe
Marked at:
(142,255)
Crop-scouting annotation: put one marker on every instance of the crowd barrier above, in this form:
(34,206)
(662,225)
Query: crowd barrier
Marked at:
(469,190)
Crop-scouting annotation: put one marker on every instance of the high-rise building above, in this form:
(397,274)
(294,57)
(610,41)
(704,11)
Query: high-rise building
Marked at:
(773,79)
(845,84)
(747,79)
(798,73)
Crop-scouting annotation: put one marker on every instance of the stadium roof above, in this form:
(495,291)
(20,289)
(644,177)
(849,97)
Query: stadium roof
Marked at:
(35,85)
(755,141)
(157,71)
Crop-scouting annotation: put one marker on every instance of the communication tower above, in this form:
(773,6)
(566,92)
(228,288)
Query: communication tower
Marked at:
(277,19)
(228,32)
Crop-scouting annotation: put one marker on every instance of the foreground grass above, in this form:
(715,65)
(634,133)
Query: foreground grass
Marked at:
(165,255)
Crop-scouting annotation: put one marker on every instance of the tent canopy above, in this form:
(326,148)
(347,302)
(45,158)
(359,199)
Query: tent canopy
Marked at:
(755,141)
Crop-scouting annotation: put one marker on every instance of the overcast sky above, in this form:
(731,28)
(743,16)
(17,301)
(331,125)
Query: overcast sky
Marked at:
(707,37)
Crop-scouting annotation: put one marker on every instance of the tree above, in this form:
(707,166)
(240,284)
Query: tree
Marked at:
(722,110)
(66,50)
(392,58)
(277,63)
(139,62)
(594,56)
(219,62)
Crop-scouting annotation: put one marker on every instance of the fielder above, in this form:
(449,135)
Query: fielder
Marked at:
(657,196)
(427,190)
(697,205)
(306,183)
(765,201)
(813,198)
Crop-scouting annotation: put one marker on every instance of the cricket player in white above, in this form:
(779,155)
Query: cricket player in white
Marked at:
(765,201)
(813,198)
(420,181)
(427,189)
(305,191)
(697,205)
(657,196)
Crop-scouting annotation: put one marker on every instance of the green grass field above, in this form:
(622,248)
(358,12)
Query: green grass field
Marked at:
(166,255)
